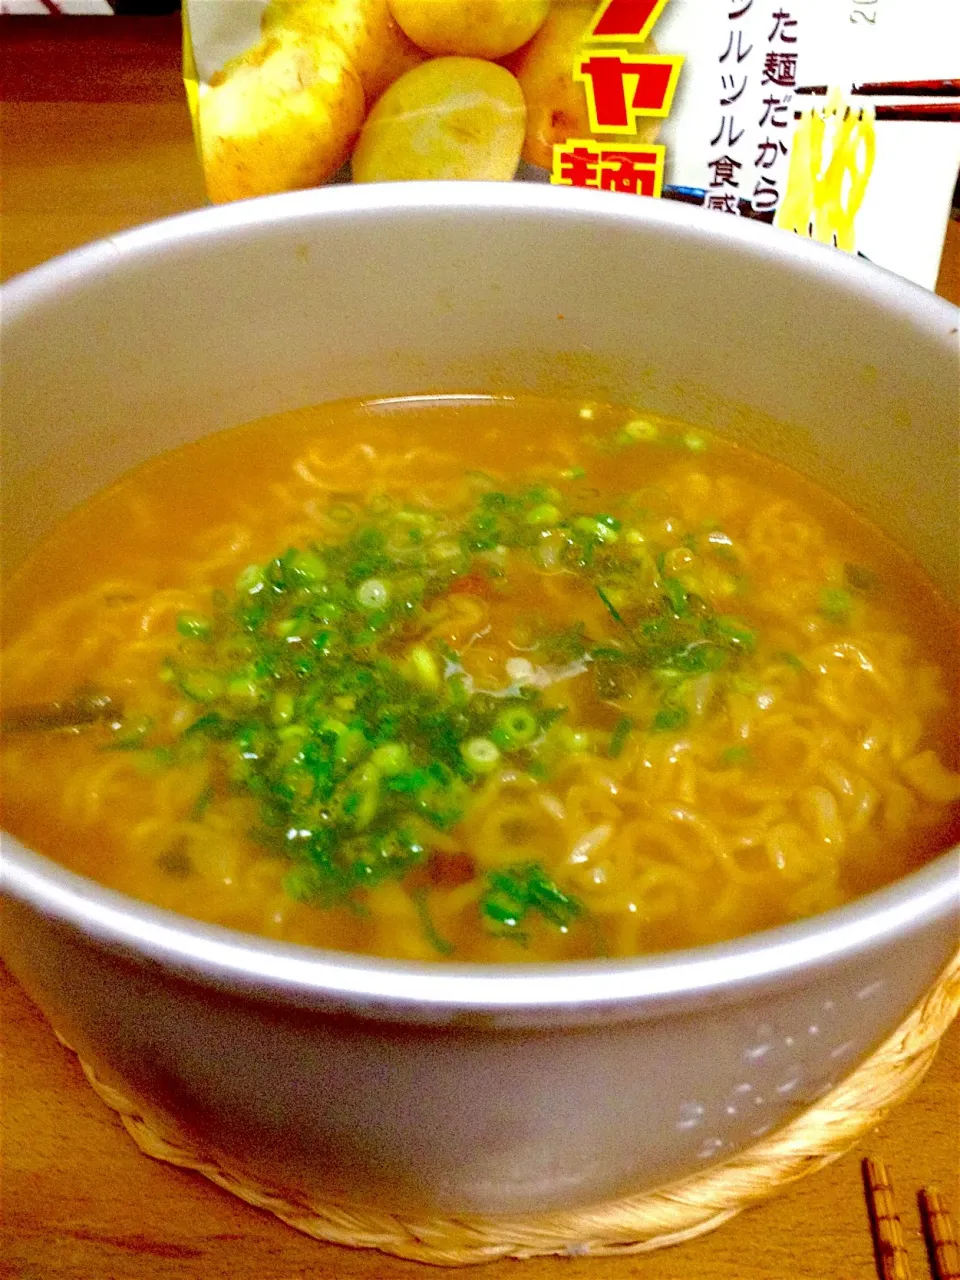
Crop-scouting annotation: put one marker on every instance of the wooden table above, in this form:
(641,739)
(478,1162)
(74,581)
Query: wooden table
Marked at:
(96,138)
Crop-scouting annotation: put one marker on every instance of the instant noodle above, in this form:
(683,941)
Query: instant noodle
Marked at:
(478,678)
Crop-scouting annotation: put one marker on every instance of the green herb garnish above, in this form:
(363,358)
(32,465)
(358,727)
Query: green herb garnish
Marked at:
(314,688)
(514,894)
(619,736)
(736,757)
(835,604)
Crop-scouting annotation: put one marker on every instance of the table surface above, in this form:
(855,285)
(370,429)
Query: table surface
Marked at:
(96,138)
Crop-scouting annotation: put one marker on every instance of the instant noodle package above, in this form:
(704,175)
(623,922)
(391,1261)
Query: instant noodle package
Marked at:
(836,119)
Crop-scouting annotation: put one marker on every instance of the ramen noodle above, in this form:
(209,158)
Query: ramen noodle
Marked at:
(488,679)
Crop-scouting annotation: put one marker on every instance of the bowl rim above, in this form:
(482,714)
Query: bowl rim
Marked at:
(566,992)
(558,993)
(48,279)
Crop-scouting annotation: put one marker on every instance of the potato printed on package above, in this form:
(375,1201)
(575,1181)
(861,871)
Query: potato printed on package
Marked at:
(835,121)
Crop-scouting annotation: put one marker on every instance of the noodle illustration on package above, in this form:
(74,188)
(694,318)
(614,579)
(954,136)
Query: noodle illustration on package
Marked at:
(835,119)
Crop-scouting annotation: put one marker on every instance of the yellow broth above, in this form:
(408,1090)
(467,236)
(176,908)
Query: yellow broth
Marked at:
(482,678)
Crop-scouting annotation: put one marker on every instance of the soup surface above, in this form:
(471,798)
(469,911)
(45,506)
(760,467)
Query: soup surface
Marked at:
(489,679)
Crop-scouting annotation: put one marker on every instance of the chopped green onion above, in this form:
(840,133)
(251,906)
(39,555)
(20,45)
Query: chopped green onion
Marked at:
(735,632)
(445,549)
(514,893)
(360,806)
(392,758)
(424,522)
(835,603)
(458,688)
(619,736)
(514,728)
(282,708)
(596,529)
(373,594)
(243,689)
(544,514)
(194,626)
(670,718)
(423,667)
(307,568)
(251,579)
(608,522)
(325,704)
(351,744)
(735,757)
(640,429)
(676,596)
(293,732)
(439,944)
(201,804)
(326,611)
(609,606)
(202,686)
(130,736)
(481,754)
(790,659)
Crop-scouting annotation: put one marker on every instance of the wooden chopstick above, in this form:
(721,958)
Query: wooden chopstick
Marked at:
(901,89)
(908,89)
(909,111)
(939,1234)
(917,111)
(894,89)
(890,1252)
(889,1249)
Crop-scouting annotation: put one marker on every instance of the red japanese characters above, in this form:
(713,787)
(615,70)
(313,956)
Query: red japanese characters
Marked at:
(624,88)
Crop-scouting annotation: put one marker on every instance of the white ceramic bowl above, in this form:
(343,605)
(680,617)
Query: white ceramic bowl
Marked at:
(454,1087)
